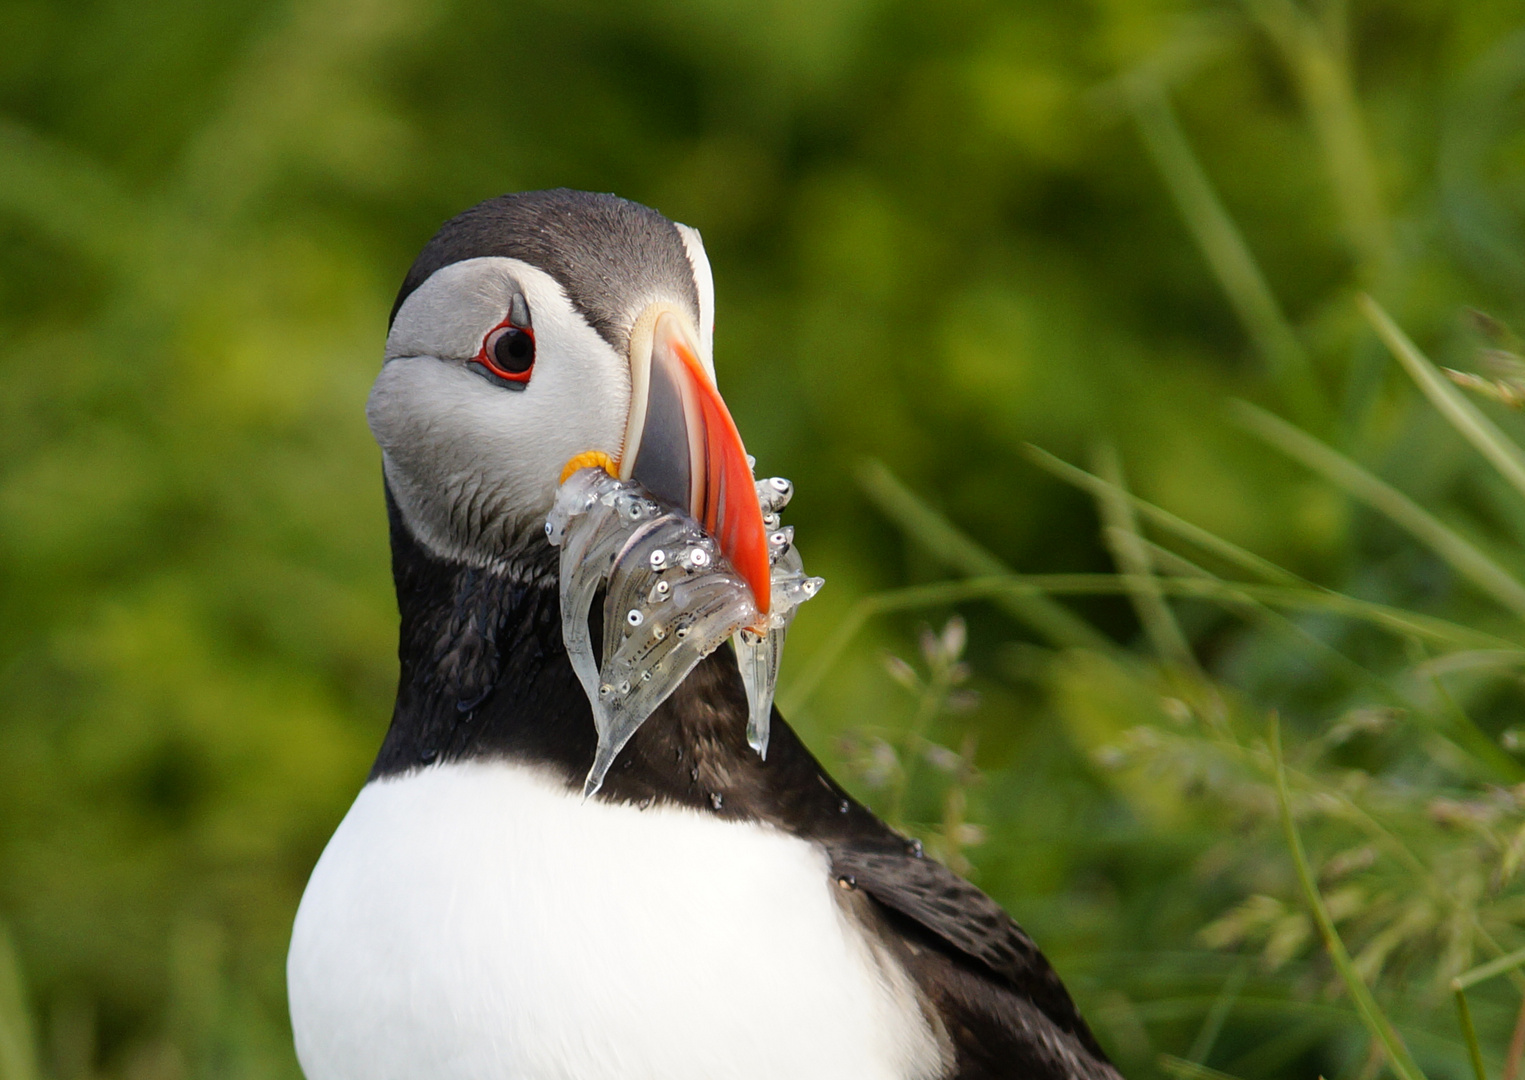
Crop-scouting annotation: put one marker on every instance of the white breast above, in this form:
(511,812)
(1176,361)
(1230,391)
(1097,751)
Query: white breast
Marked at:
(479,922)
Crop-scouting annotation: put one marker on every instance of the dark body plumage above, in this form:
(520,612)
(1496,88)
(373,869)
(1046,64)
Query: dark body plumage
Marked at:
(485,675)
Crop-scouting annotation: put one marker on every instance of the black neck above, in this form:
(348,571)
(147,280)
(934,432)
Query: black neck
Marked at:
(483,672)
(485,676)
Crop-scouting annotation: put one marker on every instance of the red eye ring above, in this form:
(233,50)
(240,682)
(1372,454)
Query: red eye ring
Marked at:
(508,353)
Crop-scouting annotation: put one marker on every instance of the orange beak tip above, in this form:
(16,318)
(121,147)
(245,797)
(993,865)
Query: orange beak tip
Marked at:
(759,579)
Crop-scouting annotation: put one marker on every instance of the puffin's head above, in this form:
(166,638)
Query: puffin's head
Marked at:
(552,329)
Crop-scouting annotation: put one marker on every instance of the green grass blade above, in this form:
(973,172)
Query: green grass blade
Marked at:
(951,546)
(1389,618)
(1469,1033)
(1371,1014)
(1229,552)
(18,1050)
(1217,1016)
(1493,968)
(1465,417)
(1465,558)
(1321,69)
(825,657)
(1463,731)
(1336,661)
(1225,250)
(1470,660)
(1132,555)
(1190,1070)
(1234,594)
(793,694)
(1507,964)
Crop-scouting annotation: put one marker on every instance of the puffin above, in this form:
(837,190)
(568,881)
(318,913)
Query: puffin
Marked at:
(707,913)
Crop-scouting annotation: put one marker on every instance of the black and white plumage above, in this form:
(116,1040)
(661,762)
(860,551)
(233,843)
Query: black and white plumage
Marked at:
(708,914)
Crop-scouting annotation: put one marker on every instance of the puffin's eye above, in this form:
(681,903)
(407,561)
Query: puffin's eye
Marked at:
(513,349)
(508,354)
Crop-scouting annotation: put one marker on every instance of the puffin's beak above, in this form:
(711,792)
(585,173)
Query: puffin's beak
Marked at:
(682,446)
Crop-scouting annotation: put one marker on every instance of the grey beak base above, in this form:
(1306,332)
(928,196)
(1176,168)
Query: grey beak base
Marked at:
(664,460)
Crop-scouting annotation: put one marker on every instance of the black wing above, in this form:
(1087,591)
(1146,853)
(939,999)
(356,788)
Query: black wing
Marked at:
(1004,1007)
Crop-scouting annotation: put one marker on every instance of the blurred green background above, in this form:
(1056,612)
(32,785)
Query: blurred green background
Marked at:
(940,233)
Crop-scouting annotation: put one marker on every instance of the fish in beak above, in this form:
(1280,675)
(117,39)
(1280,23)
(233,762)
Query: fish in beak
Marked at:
(676,533)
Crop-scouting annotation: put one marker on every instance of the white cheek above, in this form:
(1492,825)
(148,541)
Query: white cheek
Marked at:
(473,465)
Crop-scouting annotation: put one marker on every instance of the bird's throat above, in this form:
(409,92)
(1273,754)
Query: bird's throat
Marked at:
(484,675)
